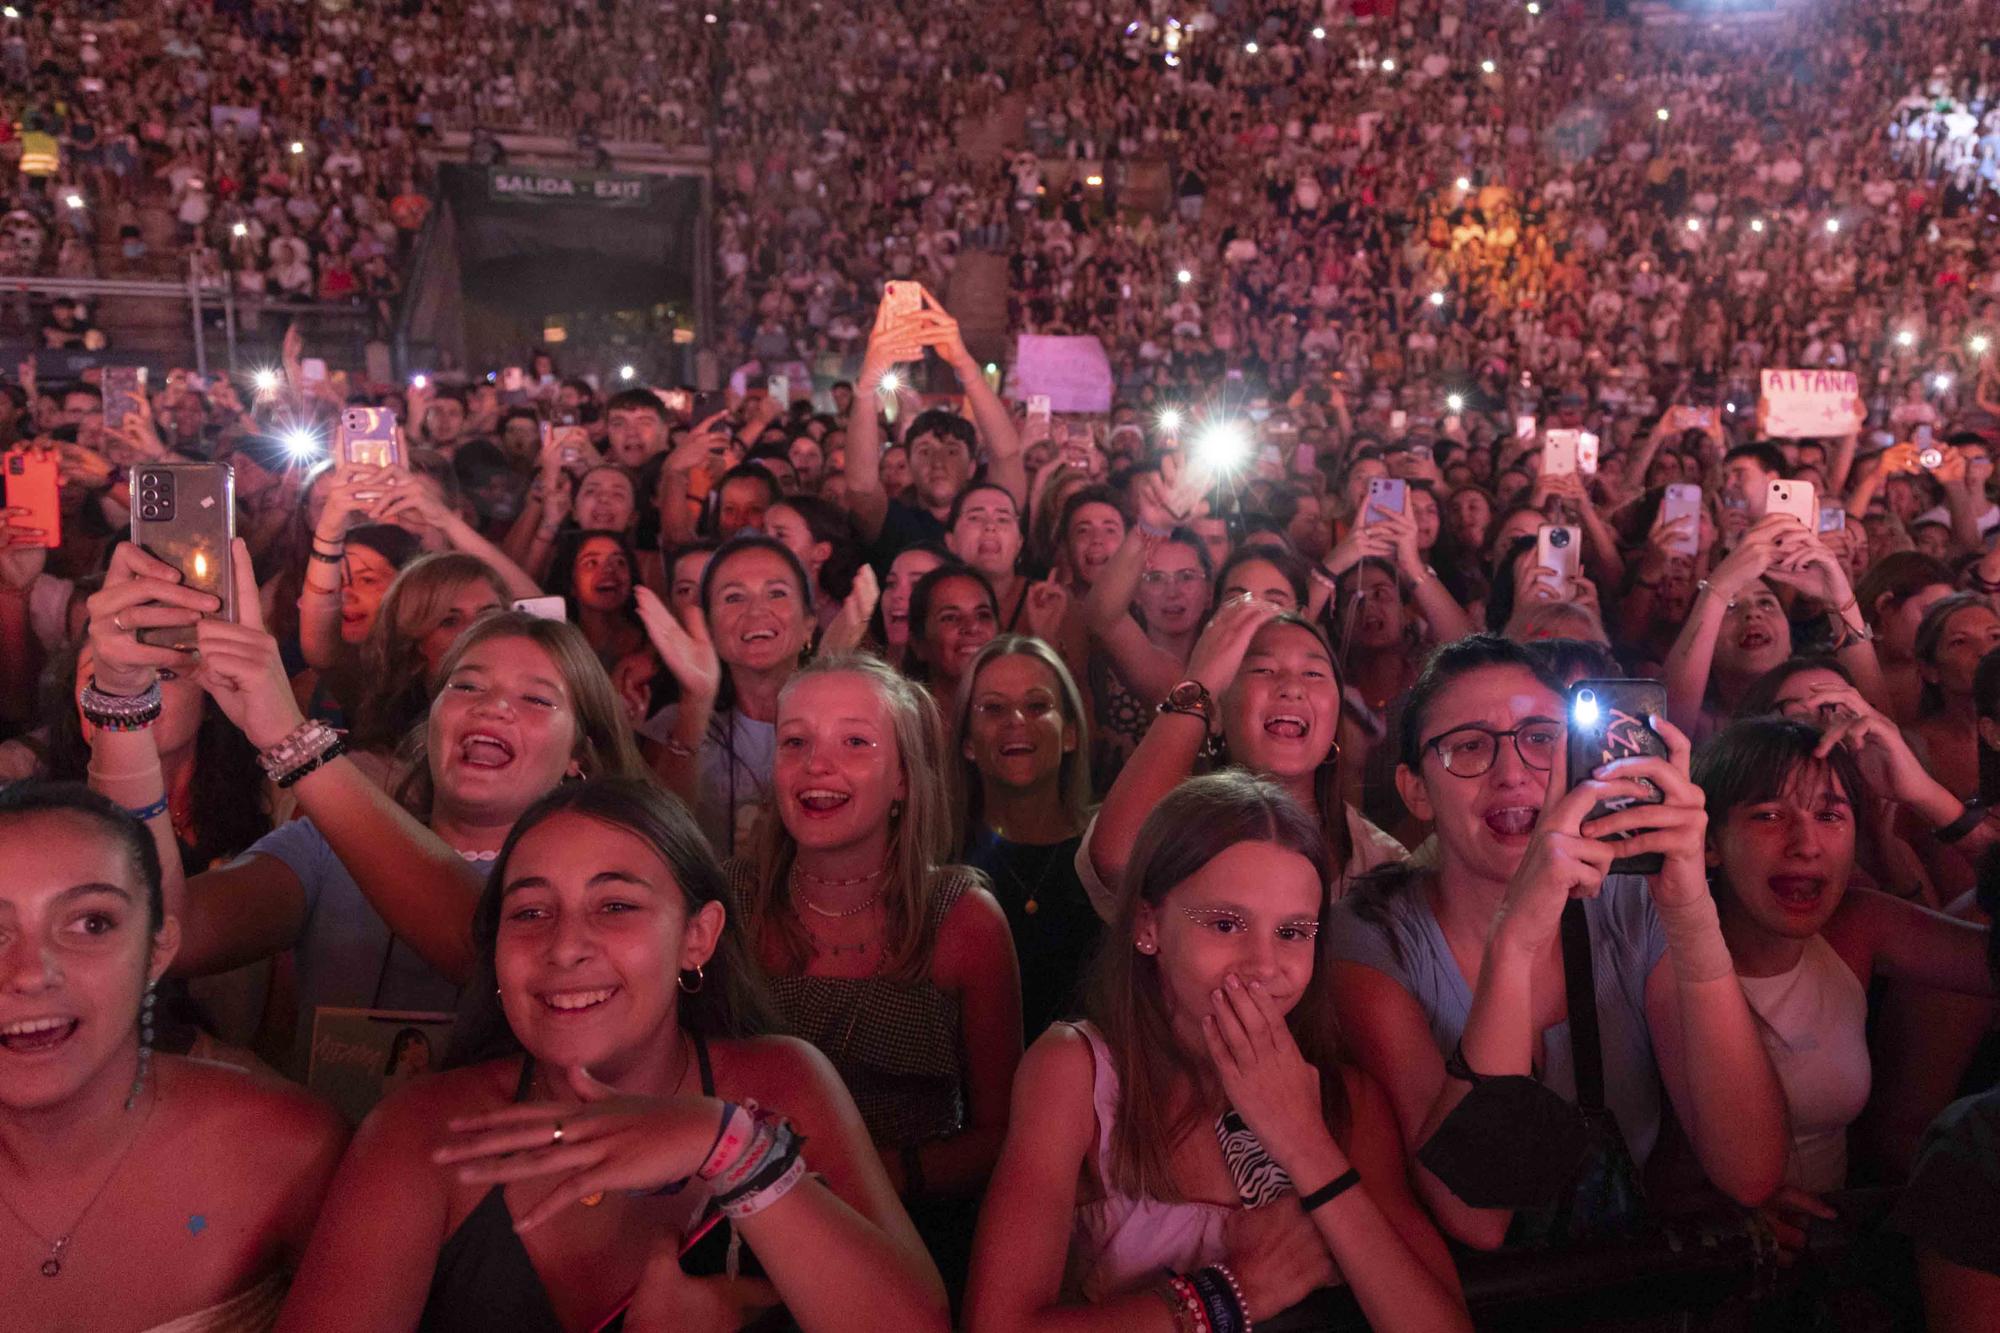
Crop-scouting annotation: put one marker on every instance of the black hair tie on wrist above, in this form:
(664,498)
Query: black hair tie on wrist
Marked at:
(1330,1191)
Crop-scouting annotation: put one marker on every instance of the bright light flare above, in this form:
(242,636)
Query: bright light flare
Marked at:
(1662,114)
(265,380)
(1694,224)
(890,382)
(1249,48)
(1757,225)
(1833,226)
(1463,183)
(239,230)
(1586,710)
(1437,298)
(1184,277)
(1388,66)
(1455,402)
(298,149)
(1979,344)
(1223,447)
(1487,67)
(301,442)
(626,372)
(1319,34)
(75,201)
(1905,338)
(1941,382)
(1170,421)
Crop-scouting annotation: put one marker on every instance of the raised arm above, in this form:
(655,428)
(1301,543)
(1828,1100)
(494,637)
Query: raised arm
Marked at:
(688,653)
(866,500)
(1693,653)
(1166,755)
(320,598)
(407,494)
(1005,457)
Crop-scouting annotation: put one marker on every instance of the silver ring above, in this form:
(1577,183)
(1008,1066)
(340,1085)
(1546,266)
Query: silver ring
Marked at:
(556,1137)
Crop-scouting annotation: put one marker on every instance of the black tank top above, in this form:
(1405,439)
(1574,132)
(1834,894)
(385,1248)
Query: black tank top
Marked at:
(484,1279)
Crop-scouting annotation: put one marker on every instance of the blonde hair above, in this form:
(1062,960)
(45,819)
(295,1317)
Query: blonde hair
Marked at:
(920,836)
(1072,778)
(394,675)
(603,747)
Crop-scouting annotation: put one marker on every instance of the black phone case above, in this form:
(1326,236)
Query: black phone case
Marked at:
(1621,732)
(185,515)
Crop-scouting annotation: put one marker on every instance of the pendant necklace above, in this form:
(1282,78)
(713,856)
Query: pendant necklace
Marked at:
(52,1265)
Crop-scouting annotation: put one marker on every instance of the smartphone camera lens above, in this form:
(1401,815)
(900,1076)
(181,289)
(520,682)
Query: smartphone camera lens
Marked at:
(1930,458)
(1559,538)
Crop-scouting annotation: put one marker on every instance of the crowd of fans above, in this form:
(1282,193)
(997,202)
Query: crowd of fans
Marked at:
(829,854)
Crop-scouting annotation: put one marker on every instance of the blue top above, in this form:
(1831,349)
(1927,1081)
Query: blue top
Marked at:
(346,956)
(1626,942)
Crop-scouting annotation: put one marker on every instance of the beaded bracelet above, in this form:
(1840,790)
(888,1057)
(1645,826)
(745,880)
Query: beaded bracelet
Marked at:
(119,712)
(324,757)
(1189,1311)
(307,740)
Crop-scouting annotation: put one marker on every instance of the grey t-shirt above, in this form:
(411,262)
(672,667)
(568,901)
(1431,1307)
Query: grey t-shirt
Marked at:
(346,956)
(1626,942)
(733,766)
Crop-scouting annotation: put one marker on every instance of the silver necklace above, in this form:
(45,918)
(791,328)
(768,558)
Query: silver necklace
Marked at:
(52,1265)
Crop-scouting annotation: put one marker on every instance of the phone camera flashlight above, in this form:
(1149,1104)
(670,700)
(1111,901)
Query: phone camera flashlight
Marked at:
(1905,338)
(1184,277)
(1757,225)
(1941,382)
(1170,420)
(1585,712)
(1223,446)
(890,381)
(302,443)
(266,381)
(1979,344)
(1455,401)
(1463,183)
(626,372)
(1437,298)
(1487,67)
(419,380)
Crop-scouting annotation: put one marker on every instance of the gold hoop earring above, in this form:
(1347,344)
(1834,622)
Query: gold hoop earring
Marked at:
(700,980)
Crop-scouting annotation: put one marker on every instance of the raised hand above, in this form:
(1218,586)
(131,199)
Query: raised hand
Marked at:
(140,592)
(1048,602)
(1267,1079)
(1677,828)
(850,626)
(686,649)
(1218,653)
(241,668)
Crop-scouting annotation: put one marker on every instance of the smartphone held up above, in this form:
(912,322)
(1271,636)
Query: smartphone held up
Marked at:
(1611,720)
(185,515)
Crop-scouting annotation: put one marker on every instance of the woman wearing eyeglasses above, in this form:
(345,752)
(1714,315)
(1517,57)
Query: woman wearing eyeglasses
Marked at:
(1449,974)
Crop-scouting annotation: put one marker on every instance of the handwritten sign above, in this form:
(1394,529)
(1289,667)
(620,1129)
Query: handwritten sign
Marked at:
(1073,371)
(1811,404)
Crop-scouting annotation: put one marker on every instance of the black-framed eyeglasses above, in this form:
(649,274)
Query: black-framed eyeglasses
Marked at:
(1469,751)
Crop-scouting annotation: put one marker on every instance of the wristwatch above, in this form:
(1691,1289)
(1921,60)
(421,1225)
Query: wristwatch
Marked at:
(1192,698)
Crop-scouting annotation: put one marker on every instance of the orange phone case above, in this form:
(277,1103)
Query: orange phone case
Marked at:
(32,484)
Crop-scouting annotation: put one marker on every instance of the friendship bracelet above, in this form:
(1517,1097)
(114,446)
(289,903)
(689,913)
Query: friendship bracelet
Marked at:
(1188,1304)
(769,1194)
(1168,1291)
(1236,1289)
(145,812)
(1330,1191)
(730,1137)
(320,555)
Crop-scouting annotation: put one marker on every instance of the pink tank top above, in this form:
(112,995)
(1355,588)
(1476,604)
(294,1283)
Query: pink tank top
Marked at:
(1120,1244)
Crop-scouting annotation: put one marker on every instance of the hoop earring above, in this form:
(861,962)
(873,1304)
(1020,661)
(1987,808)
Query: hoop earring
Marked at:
(700,980)
(145,1042)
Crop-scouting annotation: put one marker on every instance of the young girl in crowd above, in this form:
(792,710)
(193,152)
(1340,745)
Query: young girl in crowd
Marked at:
(1738,628)
(615,1095)
(373,897)
(595,574)
(894,963)
(822,536)
(715,746)
(1894,595)
(984,531)
(1022,743)
(114,1159)
(432,602)
(953,614)
(1263,694)
(1785,805)
(892,616)
(1446,973)
(1144,611)
(1951,638)
(1117,1202)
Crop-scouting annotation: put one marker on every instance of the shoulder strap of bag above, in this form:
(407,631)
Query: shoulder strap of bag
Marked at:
(1581,985)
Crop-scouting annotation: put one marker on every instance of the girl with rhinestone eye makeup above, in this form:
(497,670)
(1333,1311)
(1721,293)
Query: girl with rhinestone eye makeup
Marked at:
(1201,1123)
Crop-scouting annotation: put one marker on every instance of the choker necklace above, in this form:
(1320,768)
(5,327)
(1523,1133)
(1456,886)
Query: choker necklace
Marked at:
(828,912)
(811,878)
